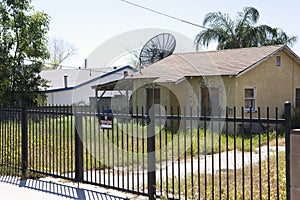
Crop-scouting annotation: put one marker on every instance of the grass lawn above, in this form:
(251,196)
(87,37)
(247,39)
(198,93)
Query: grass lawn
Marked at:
(235,184)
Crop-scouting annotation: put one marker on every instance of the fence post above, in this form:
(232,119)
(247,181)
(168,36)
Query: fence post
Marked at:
(24,141)
(78,147)
(151,155)
(294,189)
(287,114)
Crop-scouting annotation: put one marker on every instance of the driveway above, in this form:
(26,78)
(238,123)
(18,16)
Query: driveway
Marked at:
(12,188)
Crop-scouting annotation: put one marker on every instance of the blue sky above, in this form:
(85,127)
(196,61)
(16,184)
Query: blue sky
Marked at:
(88,23)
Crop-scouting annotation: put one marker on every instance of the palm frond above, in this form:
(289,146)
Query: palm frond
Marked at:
(250,15)
(240,33)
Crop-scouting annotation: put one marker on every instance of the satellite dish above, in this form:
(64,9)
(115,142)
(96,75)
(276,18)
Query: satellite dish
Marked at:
(157,48)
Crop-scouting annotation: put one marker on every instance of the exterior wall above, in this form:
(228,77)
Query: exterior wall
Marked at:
(226,89)
(60,97)
(230,91)
(296,81)
(274,85)
(139,93)
(81,94)
(139,96)
(186,94)
(71,96)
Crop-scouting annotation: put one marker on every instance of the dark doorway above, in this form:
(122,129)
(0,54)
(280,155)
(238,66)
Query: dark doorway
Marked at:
(209,101)
(153,97)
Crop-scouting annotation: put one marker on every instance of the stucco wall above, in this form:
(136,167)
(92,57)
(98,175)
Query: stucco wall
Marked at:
(139,93)
(186,94)
(139,98)
(274,85)
(173,95)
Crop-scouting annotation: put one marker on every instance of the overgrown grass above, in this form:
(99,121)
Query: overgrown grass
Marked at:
(51,143)
(261,183)
(126,144)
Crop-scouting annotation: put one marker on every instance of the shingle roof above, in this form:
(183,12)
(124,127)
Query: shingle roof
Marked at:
(209,63)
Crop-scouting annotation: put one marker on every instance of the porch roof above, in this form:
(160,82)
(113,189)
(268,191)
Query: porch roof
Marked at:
(115,85)
(210,63)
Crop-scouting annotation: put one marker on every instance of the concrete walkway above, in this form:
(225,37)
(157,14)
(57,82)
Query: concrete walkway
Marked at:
(12,188)
(231,160)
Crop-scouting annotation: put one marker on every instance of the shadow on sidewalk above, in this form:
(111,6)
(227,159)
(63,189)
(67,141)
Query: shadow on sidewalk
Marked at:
(59,189)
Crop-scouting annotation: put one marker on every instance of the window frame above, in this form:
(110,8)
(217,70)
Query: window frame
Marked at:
(278,61)
(254,98)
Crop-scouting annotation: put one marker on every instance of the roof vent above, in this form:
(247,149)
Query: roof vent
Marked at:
(85,63)
(66,80)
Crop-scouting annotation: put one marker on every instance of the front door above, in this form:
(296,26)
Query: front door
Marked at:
(153,97)
(209,101)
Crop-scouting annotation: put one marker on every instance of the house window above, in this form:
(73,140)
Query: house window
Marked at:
(153,96)
(250,99)
(278,61)
(298,98)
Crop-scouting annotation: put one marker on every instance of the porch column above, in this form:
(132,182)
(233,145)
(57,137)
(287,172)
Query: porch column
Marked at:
(96,93)
(96,100)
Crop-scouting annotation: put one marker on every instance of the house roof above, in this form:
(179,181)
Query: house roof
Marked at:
(80,77)
(210,63)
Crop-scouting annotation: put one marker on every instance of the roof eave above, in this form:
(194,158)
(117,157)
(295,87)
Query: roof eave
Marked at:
(283,48)
(57,90)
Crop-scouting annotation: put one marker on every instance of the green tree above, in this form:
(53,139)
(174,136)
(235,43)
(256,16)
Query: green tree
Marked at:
(22,51)
(241,32)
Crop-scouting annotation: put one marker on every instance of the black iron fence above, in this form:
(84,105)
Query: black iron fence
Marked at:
(162,154)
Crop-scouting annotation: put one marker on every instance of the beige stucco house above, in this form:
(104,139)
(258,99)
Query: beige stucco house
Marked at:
(245,78)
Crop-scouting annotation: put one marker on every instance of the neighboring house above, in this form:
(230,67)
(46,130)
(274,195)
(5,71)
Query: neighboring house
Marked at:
(265,76)
(74,86)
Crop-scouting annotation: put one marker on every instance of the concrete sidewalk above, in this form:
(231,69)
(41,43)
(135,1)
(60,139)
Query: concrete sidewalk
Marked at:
(12,188)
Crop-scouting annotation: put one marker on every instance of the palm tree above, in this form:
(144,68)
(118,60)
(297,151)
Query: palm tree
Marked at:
(240,33)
